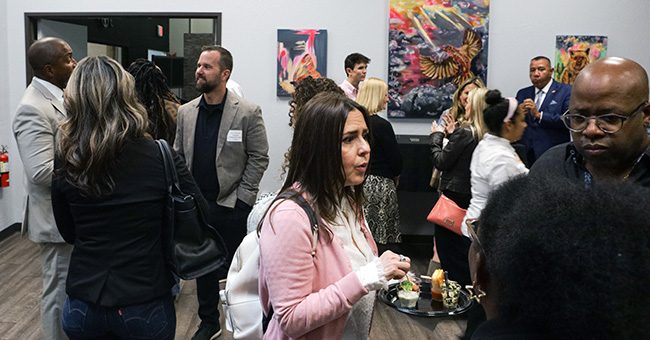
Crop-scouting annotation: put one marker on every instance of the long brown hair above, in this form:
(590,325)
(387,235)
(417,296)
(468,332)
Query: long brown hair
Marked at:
(315,155)
(103,112)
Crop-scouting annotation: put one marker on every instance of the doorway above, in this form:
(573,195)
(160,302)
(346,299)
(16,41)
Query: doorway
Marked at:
(171,40)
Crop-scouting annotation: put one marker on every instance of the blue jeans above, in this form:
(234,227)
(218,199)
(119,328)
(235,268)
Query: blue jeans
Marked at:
(151,320)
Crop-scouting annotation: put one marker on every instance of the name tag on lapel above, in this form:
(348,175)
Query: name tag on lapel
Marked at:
(234,136)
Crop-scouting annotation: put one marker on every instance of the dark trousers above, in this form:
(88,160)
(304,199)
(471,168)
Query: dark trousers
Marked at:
(151,320)
(452,248)
(231,225)
(452,251)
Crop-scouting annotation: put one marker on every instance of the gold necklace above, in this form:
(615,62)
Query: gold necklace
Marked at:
(628,173)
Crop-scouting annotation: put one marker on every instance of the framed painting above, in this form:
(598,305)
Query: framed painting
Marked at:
(574,52)
(434,45)
(301,53)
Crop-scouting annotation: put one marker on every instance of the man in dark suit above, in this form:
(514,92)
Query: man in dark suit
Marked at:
(608,120)
(223,140)
(36,122)
(544,102)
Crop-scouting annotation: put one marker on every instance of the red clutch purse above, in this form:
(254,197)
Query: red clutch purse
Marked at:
(446,213)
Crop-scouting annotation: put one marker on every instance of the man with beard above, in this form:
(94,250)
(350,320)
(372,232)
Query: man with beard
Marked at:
(608,116)
(37,119)
(223,141)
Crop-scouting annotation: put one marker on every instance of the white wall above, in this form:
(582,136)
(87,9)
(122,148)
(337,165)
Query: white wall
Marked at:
(9,197)
(519,30)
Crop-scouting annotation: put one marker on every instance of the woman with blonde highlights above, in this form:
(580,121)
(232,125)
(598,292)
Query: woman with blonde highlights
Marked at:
(453,160)
(381,207)
(108,197)
(457,109)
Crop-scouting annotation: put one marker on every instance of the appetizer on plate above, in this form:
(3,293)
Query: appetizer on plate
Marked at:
(437,279)
(450,293)
(408,293)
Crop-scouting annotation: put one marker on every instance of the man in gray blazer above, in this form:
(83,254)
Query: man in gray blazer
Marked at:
(223,141)
(37,118)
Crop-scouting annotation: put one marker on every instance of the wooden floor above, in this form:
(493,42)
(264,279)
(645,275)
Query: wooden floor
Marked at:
(21,284)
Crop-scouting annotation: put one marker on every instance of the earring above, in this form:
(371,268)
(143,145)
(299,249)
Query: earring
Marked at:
(475,292)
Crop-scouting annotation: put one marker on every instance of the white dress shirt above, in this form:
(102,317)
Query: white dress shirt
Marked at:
(542,96)
(54,90)
(494,161)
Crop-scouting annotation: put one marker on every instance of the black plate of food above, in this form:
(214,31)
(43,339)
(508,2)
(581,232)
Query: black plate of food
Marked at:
(425,305)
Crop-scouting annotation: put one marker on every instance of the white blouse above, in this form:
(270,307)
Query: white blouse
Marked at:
(494,161)
(347,229)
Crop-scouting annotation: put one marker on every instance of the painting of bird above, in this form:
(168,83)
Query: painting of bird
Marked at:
(454,62)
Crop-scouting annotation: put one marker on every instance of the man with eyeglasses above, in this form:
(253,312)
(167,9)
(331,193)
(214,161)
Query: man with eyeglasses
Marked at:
(608,117)
(543,102)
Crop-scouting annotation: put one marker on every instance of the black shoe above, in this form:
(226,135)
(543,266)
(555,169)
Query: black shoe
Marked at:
(207,332)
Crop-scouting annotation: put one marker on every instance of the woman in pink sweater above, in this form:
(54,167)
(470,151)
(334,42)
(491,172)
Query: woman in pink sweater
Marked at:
(324,294)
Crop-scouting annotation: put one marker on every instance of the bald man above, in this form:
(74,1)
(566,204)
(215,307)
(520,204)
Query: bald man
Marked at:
(608,116)
(35,124)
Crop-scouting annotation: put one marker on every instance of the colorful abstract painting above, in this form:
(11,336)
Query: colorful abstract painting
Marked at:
(574,52)
(301,53)
(434,45)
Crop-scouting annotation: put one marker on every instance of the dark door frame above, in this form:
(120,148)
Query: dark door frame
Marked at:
(31,19)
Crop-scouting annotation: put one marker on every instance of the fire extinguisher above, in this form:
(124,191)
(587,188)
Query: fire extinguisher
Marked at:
(4,167)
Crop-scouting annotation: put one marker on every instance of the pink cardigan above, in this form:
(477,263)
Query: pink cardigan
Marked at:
(311,296)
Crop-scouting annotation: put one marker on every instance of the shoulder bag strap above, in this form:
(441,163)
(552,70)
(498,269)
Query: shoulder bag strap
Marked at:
(167,168)
(313,221)
(170,167)
(311,214)
(167,230)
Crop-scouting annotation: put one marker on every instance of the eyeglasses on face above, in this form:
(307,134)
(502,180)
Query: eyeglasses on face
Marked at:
(608,123)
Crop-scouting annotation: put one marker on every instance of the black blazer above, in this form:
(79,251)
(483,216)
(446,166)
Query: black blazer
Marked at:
(385,157)
(454,159)
(117,258)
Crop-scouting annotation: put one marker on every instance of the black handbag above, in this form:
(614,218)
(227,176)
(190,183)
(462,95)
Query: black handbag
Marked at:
(192,247)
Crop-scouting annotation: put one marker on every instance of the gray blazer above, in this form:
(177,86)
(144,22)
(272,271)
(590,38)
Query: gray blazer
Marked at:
(35,125)
(242,147)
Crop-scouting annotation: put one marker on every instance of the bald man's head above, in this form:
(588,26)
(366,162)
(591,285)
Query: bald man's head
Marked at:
(51,59)
(609,86)
(605,75)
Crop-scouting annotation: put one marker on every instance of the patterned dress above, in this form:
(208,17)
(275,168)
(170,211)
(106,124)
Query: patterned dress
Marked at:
(381,207)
